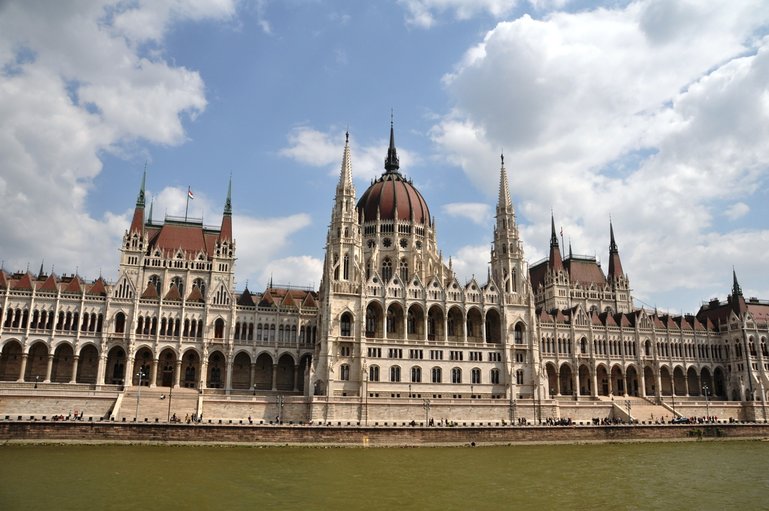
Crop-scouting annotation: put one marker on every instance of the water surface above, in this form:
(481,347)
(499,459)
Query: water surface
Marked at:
(669,476)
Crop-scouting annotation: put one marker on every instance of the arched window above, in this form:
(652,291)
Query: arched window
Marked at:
(119,323)
(179,283)
(155,282)
(344,372)
(200,284)
(258,331)
(411,323)
(476,375)
(373,373)
(494,376)
(345,325)
(371,321)
(395,374)
(346,267)
(387,269)
(456,375)
(219,328)
(518,333)
(436,375)
(391,327)
(404,270)
(416,374)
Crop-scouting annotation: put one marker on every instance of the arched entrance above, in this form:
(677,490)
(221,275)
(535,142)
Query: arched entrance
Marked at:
(585,382)
(63,360)
(552,380)
(649,388)
(617,381)
(241,371)
(493,327)
(415,323)
(707,382)
(631,379)
(666,382)
(565,380)
(10,361)
(37,362)
(679,381)
(474,324)
(285,378)
(719,387)
(115,371)
(692,379)
(88,365)
(190,369)
(374,320)
(602,377)
(142,365)
(216,370)
(263,372)
(166,370)
(435,325)
(394,321)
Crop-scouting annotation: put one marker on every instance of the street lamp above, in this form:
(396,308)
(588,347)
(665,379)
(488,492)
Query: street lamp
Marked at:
(170,396)
(254,389)
(140,374)
(707,403)
(37,378)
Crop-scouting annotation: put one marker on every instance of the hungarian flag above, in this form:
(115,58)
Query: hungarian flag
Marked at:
(189,193)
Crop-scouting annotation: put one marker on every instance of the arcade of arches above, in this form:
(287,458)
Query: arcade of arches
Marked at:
(62,365)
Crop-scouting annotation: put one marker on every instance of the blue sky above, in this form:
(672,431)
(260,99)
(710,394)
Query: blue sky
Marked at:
(654,112)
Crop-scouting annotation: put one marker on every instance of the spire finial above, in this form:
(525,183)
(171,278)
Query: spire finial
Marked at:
(140,198)
(736,289)
(345,175)
(612,244)
(392,164)
(504,187)
(228,202)
(553,236)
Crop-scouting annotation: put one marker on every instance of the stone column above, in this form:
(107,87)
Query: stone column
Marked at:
(658,389)
(464,329)
(575,383)
(642,382)
(128,376)
(203,375)
(177,376)
(154,372)
(594,380)
(48,369)
(23,367)
(75,363)
(252,378)
(228,377)
(686,384)
(101,369)
(296,377)
(274,376)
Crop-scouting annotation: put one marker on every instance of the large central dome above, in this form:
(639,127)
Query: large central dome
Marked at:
(393,195)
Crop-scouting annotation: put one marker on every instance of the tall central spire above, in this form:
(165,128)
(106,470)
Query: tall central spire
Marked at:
(392,164)
(504,188)
(345,175)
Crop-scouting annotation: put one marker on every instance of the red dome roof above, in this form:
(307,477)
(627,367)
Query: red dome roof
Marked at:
(395,197)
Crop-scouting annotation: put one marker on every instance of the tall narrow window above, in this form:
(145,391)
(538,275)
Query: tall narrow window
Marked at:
(404,270)
(387,269)
(346,267)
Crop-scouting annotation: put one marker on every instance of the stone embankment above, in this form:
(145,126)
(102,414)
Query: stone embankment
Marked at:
(131,432)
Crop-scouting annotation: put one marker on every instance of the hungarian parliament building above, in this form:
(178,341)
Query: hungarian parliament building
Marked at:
(391,335)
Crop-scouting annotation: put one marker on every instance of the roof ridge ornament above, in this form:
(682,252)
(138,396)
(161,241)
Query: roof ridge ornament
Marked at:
(392,163)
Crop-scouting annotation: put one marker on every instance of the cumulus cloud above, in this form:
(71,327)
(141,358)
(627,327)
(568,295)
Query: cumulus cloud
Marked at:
(471,261)
(295,271)
(324,149)
(424,13)
(736,210)
(78,80)
(477,212)
(652,112)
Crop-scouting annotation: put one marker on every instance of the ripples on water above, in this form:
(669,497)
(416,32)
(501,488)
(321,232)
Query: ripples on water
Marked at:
(669,476)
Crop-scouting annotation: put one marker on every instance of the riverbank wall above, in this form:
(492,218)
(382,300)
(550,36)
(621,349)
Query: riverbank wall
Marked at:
(98,432)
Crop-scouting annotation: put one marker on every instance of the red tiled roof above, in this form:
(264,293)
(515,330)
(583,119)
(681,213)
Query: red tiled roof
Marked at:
(50,285)
(151,293)
(393,197)
(585,272)
(191,238)
(3,279)
(173,295)
(760,311)
(74,285)
(98,288)
(24,283)
(195,295)
(309,301)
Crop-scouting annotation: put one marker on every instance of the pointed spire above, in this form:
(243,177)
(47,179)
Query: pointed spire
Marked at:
(392,164)
(137,223)
(615,264)
(225,233)
(149,216)
(555,262)
(736,289)
(40,273)
(504,187)
(345,174)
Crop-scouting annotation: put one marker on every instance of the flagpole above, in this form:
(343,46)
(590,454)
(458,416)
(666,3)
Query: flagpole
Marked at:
(187,207)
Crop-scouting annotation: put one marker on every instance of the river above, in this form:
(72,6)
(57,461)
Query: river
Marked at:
(667,476)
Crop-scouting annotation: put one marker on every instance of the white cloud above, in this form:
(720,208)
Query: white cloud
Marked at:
(471,260)
(76,81)
(476,212)
(424,13)
(294,271)
(259,240)
(652,113)
(736,210)
(325,149)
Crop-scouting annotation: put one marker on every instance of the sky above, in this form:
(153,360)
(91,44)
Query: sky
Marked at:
(654,113)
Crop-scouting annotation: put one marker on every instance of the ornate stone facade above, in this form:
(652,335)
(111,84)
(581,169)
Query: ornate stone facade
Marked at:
(390,331)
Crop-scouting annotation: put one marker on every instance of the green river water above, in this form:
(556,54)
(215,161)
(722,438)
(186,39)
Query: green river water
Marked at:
(666,476)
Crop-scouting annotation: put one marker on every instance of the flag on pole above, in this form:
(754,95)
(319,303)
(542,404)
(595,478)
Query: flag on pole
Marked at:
(189,193)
